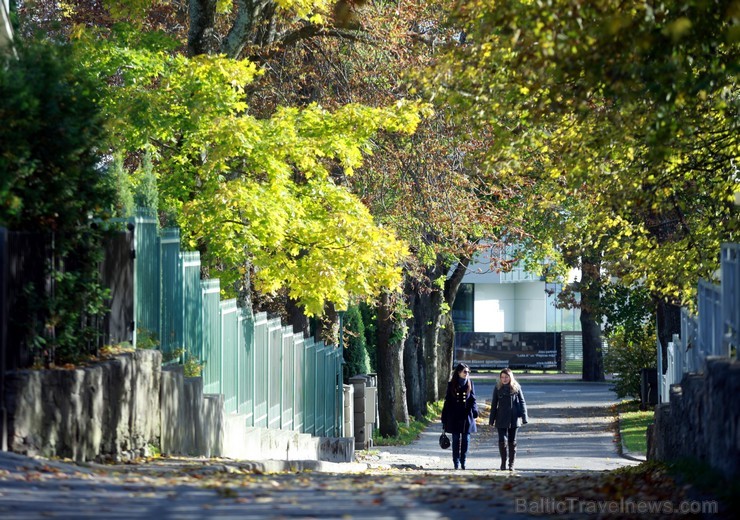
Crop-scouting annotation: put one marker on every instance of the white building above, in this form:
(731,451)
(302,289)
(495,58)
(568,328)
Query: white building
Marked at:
(510,319)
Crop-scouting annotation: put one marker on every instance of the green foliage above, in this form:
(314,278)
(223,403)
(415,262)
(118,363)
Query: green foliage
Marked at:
(370,322)
(628,353)
(147,339)
(147,193)
(124,203)
(408,433)
(51,183)
(355,352)
(50,137)
(192,366)
(613,127)
(626,309)
(249,191)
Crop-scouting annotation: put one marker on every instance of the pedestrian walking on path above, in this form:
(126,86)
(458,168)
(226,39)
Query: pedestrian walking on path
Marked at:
(459,413)
(508,412)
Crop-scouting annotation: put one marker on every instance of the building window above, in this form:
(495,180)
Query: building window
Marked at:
(462,309)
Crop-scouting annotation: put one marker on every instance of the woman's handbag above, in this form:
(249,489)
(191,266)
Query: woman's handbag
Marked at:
(444,441)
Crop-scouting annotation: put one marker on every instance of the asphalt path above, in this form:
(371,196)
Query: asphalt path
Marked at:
(571,428)
(570,431)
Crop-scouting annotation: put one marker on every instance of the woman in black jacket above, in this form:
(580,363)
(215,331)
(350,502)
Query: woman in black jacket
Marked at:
(508,412)
(459,413)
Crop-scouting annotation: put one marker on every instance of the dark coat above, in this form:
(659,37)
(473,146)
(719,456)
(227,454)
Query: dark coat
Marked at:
(508,410)
(460,409)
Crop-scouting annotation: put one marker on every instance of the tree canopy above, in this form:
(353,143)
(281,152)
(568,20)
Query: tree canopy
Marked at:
(616,122)
(253,186)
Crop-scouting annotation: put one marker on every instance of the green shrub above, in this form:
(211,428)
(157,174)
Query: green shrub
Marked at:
(626,357)
(356,358)
(51,143)
(369,320)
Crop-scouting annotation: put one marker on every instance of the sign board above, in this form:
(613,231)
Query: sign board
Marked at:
(522,350)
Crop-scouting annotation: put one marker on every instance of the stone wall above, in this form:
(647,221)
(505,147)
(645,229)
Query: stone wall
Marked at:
(109,410)
(702,419)
(119,408)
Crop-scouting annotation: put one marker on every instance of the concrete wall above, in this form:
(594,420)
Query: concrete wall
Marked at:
(118,409)
(702,419)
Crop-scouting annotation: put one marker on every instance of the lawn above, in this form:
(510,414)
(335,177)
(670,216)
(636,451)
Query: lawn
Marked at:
(633,425)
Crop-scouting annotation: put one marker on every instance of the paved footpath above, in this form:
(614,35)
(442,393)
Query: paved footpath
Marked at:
(571,429)
(564,452)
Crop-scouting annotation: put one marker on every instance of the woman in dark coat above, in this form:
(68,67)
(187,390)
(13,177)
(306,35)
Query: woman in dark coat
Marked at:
(508,412)
(459,413)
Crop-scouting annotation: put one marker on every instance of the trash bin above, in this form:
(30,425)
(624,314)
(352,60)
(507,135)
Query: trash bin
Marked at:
(648,387)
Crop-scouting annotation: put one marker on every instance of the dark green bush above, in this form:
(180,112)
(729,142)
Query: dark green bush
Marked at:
(355,354)
(627,355)
(51,148)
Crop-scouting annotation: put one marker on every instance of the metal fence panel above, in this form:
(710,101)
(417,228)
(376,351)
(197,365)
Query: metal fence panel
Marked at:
(117,275)
(299,405)
(261,365)
(710,318)
(319,391)
(275,378)
(309,383)
(731,297)
(192,305)
(288,377)
(146,280)
(171,334)
(229,354)
(246,367)
(274,372)
(211,291)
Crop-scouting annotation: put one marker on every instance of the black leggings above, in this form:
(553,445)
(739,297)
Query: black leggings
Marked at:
(503,433)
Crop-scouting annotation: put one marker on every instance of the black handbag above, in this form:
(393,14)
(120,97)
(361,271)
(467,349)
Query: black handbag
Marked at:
(444,441)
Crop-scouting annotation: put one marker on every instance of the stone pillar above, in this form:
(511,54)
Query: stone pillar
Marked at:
(349,407)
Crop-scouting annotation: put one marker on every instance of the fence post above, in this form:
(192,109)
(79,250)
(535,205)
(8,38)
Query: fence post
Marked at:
(730,297)
(3,335)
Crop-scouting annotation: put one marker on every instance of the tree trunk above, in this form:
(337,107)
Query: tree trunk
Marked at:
(297,318)
(431,346)
(446,337)
(202,37)
(391,393)
(413,350)
(446,353)
(590,286)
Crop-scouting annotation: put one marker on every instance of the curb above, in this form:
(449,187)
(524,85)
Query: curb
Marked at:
(14,462)
(624,452)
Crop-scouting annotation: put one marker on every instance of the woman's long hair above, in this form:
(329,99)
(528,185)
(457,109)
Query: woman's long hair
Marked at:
(515,387)
(455,379)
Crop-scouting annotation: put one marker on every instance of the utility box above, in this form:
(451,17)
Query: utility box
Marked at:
(365,412)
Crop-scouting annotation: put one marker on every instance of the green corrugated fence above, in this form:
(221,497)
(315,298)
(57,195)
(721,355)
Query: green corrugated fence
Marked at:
(267,374)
